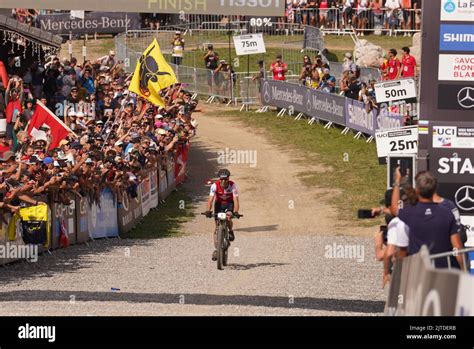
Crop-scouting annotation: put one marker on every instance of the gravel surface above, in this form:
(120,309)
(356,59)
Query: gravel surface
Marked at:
(280,264)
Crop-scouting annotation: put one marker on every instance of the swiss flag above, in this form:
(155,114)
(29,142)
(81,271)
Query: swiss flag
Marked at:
(43,116)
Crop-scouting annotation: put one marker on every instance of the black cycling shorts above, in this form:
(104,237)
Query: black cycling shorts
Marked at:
(223,207)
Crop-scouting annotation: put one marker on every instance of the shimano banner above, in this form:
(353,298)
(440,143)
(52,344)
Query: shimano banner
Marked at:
(357,117)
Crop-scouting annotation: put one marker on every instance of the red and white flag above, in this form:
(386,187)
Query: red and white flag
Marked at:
(63,234)
(43,116)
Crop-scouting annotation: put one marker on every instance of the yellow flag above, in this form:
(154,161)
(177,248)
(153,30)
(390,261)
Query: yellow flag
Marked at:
(152,74)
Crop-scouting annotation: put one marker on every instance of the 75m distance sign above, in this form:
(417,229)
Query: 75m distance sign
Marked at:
(249,44)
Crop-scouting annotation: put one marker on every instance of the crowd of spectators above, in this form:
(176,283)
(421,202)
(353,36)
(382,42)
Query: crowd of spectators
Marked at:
(115,138)
(363,15)
(415,217)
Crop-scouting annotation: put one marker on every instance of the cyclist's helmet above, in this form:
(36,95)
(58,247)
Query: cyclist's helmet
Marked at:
(223,173)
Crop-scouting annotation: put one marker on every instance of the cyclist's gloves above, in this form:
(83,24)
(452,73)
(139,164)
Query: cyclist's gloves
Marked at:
(208,214)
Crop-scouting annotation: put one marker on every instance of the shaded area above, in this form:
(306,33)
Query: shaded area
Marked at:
(324,304)
(254,265)
(165,220)
(68,260)
(272,227)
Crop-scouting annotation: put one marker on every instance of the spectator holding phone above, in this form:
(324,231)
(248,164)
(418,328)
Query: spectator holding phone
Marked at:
(430,223)
(279,69)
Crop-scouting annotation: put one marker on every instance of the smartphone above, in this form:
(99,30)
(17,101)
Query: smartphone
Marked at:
(383,231)
(364,213)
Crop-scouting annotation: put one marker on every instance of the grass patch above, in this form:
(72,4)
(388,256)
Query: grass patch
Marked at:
(350,166)
(167,220)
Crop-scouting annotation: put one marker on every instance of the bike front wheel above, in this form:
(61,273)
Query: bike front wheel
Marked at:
(220,247)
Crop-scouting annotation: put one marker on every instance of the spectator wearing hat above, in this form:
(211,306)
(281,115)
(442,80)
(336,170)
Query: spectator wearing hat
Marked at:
(107,62)
(178,48)
(349,65)
(211,61)
(224,75)
(328,82)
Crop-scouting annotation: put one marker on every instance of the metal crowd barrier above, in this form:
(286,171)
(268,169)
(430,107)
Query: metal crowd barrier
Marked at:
(467,255)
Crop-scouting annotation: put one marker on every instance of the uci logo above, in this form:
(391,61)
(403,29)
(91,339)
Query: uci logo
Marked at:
(444,131)
(450,6)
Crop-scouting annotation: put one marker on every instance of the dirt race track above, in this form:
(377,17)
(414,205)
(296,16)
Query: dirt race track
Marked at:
(279,264)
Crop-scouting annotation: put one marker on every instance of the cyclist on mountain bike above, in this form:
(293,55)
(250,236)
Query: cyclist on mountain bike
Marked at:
(226,198)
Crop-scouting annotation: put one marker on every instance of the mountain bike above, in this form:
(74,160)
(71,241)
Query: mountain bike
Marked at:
(223,242)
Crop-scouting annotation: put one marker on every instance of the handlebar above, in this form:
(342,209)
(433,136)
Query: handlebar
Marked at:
(215,215)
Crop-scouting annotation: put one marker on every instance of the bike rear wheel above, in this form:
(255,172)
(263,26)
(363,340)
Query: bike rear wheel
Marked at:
(220,247)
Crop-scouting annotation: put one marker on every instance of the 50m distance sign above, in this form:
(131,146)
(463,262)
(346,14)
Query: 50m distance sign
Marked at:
(398,90)
(399,141)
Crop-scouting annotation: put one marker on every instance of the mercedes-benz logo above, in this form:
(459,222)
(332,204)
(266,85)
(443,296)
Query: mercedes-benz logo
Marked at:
(466,97)
(266,92)
(464,198)
(308,100)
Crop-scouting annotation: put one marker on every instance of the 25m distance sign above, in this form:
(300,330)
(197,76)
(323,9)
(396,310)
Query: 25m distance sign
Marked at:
(398,141)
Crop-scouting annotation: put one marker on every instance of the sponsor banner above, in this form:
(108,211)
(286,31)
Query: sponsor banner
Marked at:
(456,97)
(458,67)
(153,177)
(93,22)
(102,219)
(129,212)
(213,7)
(398,141)
(171,184)
(162,185)
(462,194)
(438,294)
(249,44)
(464,299)
(67,213)
(283,95)
(456,37)
(325,106)
(313,38)
(453,137)
(468,222)
(357,117)
(457,10)
(391,91)
(420,290)
(82,228)
(145,193)
(452,165)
